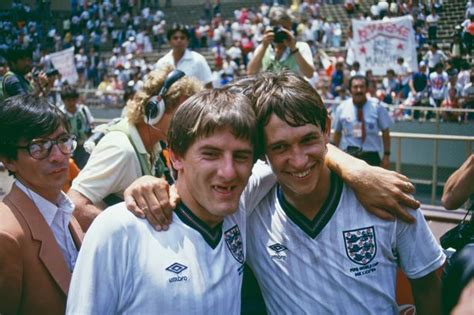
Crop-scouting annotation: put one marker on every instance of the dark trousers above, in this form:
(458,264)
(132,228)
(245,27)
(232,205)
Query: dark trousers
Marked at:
(372,157)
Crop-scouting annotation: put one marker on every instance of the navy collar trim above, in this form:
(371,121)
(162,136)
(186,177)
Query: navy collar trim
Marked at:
(212,236)
(313,227)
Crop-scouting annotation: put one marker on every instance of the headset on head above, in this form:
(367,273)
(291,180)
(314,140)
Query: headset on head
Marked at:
(155,108)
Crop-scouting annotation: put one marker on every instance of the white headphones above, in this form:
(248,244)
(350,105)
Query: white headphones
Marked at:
(155,108)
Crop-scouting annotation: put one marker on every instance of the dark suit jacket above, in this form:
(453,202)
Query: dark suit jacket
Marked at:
(34,276)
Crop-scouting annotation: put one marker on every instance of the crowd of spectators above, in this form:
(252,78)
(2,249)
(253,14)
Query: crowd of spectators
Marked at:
(112,40)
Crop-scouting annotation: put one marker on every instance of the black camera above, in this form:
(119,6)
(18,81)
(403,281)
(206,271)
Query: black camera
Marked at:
(459,236)
(52,72)
(280,34)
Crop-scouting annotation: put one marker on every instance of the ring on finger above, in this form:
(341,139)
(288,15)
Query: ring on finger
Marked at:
(145,209)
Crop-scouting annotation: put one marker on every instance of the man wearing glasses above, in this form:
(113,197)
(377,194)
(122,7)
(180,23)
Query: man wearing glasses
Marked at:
(39,237)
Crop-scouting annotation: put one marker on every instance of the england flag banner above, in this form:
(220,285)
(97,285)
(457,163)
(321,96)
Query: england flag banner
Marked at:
(378,44)
(63,61)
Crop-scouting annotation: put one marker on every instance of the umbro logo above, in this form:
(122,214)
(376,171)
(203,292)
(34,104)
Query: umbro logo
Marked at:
(277,247)
(279,251)
(177,268)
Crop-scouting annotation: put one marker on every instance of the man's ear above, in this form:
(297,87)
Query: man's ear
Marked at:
(176,160)
(9,164)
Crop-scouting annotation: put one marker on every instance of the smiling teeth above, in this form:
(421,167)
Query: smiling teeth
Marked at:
(301,174)
(223,188)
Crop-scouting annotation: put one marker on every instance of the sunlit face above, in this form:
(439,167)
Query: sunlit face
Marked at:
(46,177)
(296,155)
(213,173)
(358,91)
(179,41)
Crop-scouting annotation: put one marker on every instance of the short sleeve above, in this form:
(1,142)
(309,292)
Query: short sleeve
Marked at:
(384,119)
(419,253)
(111,168)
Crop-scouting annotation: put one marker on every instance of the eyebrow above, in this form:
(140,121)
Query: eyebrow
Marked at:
(306,135)
(211,147)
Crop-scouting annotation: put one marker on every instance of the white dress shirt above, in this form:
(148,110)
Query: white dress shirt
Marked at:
(58,218)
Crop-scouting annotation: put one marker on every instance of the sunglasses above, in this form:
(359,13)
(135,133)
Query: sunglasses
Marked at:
(40,149)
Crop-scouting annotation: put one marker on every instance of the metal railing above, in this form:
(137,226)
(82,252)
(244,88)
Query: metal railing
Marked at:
(398,136)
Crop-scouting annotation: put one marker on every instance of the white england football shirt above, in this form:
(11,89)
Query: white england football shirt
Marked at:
(344,261)
(126,267)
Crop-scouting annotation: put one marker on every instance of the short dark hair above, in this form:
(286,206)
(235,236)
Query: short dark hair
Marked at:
(17,52)
(69,92)
(358,77)
(178,28)
(208,111)
(287,95)
(26,117)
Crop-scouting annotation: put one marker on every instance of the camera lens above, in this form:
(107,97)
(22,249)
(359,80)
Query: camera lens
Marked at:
(280,34)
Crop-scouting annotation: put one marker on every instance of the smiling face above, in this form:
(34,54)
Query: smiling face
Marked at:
(213,173)
(46,177)
(296,155)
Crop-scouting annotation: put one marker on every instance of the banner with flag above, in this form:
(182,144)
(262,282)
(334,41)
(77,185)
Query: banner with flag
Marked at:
(63,61)
(378,44)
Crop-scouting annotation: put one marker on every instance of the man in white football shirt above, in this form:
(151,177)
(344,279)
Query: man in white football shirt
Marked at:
(125,266)
(311,244)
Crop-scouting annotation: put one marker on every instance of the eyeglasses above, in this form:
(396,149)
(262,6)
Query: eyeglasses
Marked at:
(41,148)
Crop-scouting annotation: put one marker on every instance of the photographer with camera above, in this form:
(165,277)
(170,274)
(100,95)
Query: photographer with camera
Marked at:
(458,281)
(279,49)
(15,81)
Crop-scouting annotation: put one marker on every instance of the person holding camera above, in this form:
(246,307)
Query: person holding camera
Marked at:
(15,81)
(279,49)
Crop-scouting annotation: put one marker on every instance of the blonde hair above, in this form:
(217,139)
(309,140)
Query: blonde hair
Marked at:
(184,87)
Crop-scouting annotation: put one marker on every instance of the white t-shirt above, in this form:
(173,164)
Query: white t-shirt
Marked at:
(192,64)
(344,261)
(125,266)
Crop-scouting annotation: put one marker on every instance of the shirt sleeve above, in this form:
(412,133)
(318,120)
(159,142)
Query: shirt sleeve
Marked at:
(112,166)
(419,253)
(305,52)
(384,119)
(98,281)
(205,74)
(13,86)
(260,183)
